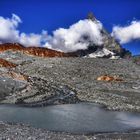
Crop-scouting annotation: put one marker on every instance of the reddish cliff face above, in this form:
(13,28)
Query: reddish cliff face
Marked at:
(7,64)
(44,52)
(35,51)
(10,46)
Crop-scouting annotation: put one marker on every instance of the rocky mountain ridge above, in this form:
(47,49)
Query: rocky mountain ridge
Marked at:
(33,50)
(109,49)
(95,52)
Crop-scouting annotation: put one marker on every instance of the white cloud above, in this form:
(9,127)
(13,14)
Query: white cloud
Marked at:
(9,33)
(8,29)
(128,33)
(30,40)
(78,36)
(33,39)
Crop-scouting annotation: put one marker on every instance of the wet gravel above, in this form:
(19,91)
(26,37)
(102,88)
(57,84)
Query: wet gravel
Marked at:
(9,131)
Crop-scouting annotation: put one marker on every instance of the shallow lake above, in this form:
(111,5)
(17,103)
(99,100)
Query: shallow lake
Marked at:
(74,118)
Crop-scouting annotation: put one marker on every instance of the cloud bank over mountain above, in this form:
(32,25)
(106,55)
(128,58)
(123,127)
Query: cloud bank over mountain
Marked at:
(128,33)
(78,36)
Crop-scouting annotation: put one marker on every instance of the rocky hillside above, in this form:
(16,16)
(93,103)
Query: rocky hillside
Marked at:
(27,80)
(33,50)
(136,59)
(36,81)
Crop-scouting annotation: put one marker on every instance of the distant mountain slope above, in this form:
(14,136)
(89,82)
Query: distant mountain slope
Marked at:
(109,48)
(35,51)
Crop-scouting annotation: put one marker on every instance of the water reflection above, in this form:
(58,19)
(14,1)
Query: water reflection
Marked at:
(73,118)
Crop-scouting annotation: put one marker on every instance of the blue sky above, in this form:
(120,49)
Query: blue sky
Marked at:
(52,14)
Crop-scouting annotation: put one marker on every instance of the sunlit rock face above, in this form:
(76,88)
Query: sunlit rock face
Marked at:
(109,78)
(35,51)
(7,64)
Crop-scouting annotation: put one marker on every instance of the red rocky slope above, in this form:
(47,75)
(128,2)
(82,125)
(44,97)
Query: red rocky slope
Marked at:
(35,51)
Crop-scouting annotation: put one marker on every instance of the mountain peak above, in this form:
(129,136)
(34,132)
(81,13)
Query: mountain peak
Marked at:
(109,43)
(91,16)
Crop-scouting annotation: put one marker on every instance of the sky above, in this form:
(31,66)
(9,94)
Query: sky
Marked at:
(50,15)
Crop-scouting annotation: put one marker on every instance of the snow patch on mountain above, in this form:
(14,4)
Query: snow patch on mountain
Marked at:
(100,53)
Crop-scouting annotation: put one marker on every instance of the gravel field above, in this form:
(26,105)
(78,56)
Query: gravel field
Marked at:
(74,79)
(10,131)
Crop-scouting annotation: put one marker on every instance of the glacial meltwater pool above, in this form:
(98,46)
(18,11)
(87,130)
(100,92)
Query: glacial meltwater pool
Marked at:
(74,118)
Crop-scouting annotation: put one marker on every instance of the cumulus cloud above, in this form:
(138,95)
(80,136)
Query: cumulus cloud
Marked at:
(8,29)
(30,39)
(9,33)
(128,33)
(77,36)
(33,39)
